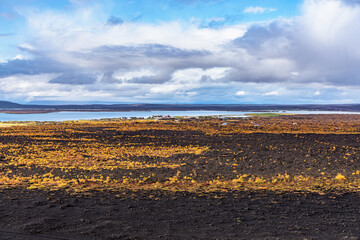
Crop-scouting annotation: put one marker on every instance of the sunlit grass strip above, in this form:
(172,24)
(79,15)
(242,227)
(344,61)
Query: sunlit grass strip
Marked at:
(280,183)
(99,157)
(14,124)
(92,166)
(334,124)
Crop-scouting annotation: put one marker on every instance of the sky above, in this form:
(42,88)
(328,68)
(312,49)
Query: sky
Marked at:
(180,51)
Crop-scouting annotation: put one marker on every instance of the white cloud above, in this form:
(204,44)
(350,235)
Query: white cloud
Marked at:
(256,10)
(272,93)
(142,61)
(317,93)
(183,82)
(321,44)
(38,87)
(194,75)
(26,46)
(133,74)
(240,93)
(164,89)
(19,57)
(86,30)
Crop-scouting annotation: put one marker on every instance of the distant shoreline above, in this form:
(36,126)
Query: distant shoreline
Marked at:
(27,111)
(255,111)
(15,108)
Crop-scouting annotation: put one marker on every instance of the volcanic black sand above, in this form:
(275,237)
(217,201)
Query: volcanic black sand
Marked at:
(238,215)
(159,214)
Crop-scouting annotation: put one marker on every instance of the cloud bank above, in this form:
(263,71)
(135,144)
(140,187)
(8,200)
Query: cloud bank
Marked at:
(95,56)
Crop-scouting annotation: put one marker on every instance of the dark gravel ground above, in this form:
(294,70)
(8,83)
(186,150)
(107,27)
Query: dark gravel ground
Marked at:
(236,215)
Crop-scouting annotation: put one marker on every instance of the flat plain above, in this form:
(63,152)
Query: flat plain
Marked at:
(275,177)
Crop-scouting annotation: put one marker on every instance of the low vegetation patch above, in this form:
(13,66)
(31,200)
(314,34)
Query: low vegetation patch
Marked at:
(314,153)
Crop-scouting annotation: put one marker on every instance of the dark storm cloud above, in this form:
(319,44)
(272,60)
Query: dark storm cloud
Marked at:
(29,67)
(112,58)
(155,79)
(74,79)
(256,39)
(162,59)
(106,60)
(147,50)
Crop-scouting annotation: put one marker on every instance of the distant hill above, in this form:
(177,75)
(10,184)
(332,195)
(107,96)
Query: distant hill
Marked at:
(5,104)
(10,106)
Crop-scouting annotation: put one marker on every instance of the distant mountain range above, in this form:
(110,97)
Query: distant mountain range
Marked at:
(6,106)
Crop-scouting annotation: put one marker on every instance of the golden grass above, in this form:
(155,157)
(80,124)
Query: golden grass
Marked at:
(70,147)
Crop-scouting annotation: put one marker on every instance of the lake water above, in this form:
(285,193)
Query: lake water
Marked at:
(64,116)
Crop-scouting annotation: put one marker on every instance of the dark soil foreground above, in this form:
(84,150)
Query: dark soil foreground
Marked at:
(237,215)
